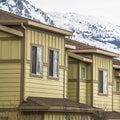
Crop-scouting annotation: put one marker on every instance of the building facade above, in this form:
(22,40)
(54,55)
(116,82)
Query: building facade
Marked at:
(33,72)
(93,77)
(44,76)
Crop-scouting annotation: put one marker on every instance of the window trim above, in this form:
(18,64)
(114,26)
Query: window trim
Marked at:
(117,81)
(32,74)
(83,65)
(52,77)
(99,93)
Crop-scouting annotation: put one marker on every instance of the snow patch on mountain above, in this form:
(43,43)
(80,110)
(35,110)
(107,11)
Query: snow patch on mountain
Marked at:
(95,32)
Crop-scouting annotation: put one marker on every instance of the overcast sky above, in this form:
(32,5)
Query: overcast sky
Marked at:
(108,10)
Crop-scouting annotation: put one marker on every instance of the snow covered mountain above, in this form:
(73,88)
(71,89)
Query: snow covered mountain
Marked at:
(87,29)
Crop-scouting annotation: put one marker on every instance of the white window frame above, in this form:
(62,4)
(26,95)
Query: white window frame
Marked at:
(54,71)
(38,60)
(103,82)
(83,72)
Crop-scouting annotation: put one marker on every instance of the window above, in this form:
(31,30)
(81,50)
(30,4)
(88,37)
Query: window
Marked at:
(37,60)
(53,63)
(103,81)
(118,86)
(83,71)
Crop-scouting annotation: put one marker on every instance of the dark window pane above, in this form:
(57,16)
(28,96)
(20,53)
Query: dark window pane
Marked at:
(34,51)
(100,81)
(51,63)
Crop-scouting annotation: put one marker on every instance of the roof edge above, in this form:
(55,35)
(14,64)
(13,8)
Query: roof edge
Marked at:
(48,27)
(11,31)
(80,57)
(99,51)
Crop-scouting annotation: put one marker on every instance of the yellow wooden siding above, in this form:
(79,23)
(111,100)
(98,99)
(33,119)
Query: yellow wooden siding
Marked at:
(105,63)
(43,86)
(10,49)
(20,116)
(47,40)
(102,62)
(10,76)
(73,91)
(116,102)
(44,116)
(63,116)
(73,81)
(116,95)
(73,71)
(83,92)
(89,94)
(102,101)
(5,34)
(85,84)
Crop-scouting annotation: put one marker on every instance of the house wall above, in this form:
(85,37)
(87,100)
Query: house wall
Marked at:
(44,86)
(85,84)
(79,89)
(10,70)
(44,116)
(116,95)
(100,100)
(68,116)
(73,79)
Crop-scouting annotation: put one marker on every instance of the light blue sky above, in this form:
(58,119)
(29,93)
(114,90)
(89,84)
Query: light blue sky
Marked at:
(108,10)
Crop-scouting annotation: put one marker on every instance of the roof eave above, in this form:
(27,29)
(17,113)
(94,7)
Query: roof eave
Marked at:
(116,66)
(11,31)
(36,25)
(51,28)
(81,58)
(96,51)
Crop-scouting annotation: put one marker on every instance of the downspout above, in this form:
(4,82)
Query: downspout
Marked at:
(64,82)
(112,83)
(23,66)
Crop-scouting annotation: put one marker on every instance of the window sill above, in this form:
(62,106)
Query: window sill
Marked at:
(35,75)
(102,94)
(53,78)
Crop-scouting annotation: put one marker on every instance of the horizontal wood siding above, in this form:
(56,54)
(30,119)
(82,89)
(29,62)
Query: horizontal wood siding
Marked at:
(116,102)
(85,84)
(10,49)
(73,91)
(116,94)
(105,63)
(83,92)
(102,101)
(10,76)
(73,81)
(45,86)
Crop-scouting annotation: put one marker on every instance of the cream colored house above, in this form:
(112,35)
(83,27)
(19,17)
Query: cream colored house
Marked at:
(33,72)
(94,77)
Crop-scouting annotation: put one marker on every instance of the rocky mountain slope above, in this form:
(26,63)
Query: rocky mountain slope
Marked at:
(87,29)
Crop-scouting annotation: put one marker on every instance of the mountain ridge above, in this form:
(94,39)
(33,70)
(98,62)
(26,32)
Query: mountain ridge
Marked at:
(88,30)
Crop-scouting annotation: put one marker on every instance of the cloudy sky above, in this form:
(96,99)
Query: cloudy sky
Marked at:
(108,10)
